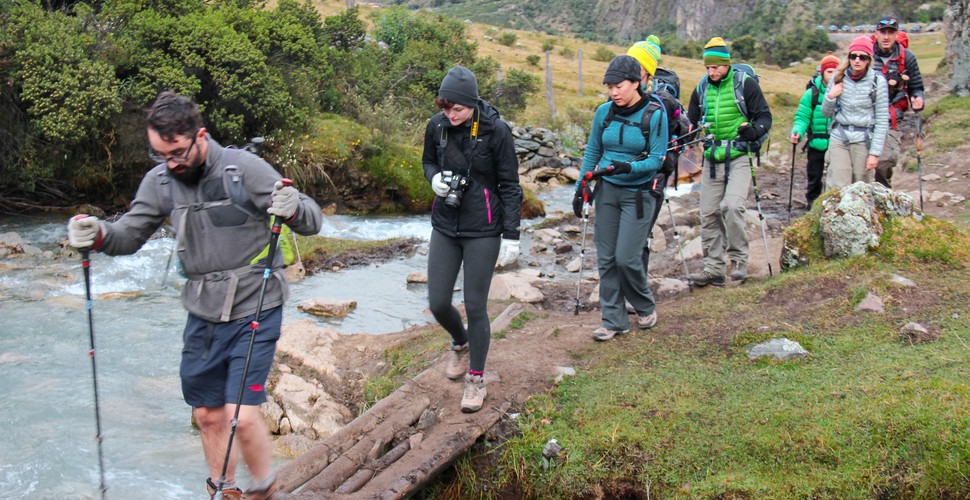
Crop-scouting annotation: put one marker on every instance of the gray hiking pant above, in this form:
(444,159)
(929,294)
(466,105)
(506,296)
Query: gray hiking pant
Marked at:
(620,236)
(445,258)
(723,233)
(847,164)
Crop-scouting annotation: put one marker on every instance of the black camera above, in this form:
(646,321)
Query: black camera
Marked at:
(457,184)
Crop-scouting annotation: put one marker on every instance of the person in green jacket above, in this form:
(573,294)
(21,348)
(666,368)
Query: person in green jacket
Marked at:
(809,118)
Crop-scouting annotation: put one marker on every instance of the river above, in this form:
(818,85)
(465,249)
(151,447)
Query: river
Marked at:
(47,413)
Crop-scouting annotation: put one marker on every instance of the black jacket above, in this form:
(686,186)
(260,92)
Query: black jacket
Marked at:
(891,60)
(491,204)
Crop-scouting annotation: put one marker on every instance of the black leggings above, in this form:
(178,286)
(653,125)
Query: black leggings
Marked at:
(445,258)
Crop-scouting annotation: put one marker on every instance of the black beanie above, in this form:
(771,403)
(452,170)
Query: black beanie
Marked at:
(622,68)
(460,87)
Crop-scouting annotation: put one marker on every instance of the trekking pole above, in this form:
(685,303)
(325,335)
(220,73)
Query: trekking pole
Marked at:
(274,239)
(86,265)
(761,216)
(791,183)
(919,160)
(673,225)
(582,246)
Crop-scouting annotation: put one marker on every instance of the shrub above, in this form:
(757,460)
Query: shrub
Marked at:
(603,54)
(532,59)
(508,39)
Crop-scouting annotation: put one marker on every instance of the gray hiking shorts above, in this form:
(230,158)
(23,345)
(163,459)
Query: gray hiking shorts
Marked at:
(214,354)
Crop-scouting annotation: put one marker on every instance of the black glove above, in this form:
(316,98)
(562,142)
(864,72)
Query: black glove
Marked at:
(749,133)
(621,167)
(578,201)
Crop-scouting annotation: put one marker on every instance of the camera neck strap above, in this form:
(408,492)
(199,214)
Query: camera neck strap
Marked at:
(469,149)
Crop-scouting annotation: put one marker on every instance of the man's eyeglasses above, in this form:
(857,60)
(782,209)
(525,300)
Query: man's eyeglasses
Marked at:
(861,57)
(176,158)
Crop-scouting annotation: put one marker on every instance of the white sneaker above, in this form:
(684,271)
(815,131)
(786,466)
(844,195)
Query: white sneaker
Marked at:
(474,396)
(457,361)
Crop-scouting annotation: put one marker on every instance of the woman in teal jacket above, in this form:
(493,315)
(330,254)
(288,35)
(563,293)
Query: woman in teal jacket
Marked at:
(618,147)
(809,118)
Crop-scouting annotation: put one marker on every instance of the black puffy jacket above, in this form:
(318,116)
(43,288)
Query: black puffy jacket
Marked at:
(492,202)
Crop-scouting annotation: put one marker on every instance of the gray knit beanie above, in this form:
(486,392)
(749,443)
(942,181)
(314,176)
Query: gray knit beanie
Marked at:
(460,87)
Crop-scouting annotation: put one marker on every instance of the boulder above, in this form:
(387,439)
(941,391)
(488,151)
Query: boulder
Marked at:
(311,411)
(781,349)
(514,286)
(850,220)
(309,344)
(417,278)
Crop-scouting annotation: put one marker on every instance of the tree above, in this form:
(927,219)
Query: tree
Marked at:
(744,48)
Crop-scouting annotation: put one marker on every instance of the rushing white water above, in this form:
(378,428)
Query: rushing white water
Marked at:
(47,411)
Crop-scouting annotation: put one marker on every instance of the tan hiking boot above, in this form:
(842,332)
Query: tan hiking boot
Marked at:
(457,361)
(474,396)
(648,321)
(739,271)
(603,333)
(705,278)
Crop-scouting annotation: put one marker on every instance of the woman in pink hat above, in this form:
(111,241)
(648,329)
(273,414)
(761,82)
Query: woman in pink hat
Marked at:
(857,100)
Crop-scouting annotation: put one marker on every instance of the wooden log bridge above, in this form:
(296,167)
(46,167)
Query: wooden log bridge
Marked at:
(399,444)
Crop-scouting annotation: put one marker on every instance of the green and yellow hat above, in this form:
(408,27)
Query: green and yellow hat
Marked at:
(647,53)
(716,52)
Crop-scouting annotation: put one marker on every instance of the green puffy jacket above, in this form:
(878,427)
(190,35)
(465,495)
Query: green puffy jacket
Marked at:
(808,116)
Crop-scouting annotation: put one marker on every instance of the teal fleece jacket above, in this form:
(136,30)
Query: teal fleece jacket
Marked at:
(623,142)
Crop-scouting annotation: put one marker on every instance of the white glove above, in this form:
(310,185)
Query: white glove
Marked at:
(508,252)
(439,187)
(286,199)
(82,231)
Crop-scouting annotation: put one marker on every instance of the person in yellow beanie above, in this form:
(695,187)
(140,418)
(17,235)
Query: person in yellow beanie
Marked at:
(648,54)
(730,101)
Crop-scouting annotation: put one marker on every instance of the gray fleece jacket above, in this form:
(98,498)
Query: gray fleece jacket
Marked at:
(216,240)
(861,113)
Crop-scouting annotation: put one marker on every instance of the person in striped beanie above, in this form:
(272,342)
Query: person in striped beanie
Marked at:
(716,53)
(735,122)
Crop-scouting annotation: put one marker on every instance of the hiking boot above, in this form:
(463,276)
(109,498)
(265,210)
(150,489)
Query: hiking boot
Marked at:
(262,492)
(648,321)
(603,333)
(705,278)
(232,493)
(739,271)
(474,396)
(457,361)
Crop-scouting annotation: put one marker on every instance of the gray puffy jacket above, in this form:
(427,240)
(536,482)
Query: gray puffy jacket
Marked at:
(861,113)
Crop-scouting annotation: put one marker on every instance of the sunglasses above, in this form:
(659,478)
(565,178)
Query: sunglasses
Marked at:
(887,23)
(176,158)
(861,57)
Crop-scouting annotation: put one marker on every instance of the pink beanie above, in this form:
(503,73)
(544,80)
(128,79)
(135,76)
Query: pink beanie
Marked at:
(861,44)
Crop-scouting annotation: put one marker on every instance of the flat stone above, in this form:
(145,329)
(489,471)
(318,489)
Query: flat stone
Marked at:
(901,281)
(872,303)
(417,278)
(327,307)
(781,349)
(309,344)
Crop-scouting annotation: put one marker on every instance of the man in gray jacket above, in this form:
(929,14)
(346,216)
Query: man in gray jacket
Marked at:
(220,201)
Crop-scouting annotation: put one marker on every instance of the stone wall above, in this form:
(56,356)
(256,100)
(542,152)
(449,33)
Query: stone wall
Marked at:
(542,157)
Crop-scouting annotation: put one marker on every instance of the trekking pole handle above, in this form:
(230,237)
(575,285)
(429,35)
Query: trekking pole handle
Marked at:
(277,220)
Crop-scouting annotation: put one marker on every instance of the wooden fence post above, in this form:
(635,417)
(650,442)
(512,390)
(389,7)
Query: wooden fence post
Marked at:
(552,106)
(580,70)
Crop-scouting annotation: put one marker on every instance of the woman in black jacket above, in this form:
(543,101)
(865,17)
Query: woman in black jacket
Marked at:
(469,159)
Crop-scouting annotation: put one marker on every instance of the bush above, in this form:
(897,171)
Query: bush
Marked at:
(603,54)
(567,52)
(507,39)
(532,59)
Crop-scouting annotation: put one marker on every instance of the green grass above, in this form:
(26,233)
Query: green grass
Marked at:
(946,123)
(683,412)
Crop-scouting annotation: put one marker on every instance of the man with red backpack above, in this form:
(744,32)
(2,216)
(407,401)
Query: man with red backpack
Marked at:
(898,64)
